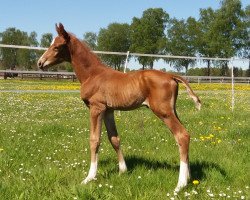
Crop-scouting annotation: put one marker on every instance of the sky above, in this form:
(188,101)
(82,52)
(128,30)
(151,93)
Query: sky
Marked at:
(80,16)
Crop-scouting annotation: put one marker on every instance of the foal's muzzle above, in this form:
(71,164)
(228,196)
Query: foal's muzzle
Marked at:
(41,64)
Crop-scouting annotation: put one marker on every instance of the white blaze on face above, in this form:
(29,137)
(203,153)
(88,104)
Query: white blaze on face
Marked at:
(52,41)
(42,57)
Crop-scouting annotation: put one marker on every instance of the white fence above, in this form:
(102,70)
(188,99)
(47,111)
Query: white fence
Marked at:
(71,75)
(127,54)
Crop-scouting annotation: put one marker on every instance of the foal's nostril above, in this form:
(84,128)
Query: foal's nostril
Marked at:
(39,64)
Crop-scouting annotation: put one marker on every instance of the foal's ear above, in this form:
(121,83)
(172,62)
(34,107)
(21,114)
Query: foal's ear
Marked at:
(61,32)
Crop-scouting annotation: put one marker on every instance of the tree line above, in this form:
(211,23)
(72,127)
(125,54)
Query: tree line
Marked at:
(223,32)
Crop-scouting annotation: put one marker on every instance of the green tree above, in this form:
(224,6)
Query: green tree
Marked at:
(21,58)
(147,34)
(12,36)
(91,39)
(245,53)
(230,28)
(222,32)
(9,58)
(207,42)
(46,39)
(27,58)
(114,38)
(34,55)
(182,41)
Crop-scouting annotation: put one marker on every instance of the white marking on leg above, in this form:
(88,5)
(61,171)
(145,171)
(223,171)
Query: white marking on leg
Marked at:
(92,173)
(183,176)
(122,167)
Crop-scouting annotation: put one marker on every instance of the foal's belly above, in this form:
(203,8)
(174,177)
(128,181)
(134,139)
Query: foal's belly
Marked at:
(125,101)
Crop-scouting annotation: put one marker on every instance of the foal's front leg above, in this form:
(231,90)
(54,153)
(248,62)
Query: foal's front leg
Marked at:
(96,116)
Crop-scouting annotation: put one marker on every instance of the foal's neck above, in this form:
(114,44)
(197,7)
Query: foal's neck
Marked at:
(84,61)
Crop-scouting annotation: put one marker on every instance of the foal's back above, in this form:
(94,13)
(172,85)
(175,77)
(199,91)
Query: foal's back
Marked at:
(131,90)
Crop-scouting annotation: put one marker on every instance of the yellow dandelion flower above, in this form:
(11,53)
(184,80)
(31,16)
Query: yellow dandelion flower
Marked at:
(196,182)
(219,141)
(1,149)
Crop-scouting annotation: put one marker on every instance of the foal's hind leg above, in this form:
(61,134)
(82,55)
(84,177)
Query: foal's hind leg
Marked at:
(167,113)
(114,139)
(162,102)
(182,138)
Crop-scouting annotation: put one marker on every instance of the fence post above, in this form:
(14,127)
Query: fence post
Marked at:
(232,76)
(126,63)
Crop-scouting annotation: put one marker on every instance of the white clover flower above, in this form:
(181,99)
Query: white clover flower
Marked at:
(186,194)
(211,194)
(194,192)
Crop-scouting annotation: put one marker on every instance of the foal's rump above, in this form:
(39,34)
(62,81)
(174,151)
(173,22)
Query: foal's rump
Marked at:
(164,86)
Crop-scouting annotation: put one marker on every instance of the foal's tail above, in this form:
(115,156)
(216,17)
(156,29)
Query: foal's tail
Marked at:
(189,90)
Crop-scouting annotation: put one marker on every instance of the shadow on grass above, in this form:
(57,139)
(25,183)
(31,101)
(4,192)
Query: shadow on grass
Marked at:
(198,169)
(135,161)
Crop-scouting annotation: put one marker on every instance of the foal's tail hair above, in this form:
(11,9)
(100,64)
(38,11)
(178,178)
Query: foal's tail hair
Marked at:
(196,99)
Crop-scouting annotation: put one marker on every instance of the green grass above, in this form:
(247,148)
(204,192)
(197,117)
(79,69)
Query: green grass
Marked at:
(44,149)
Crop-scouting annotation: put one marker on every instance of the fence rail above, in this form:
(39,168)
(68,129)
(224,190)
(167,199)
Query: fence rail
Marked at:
(37,74)
(71,75)
(134,54)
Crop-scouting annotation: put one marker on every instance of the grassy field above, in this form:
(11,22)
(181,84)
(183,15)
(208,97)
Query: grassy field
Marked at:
(44,149)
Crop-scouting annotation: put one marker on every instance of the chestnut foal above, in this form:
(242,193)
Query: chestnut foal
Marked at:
(104,90)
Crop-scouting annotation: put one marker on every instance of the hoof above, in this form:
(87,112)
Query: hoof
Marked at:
(88,179)
(122,171)
(179,187)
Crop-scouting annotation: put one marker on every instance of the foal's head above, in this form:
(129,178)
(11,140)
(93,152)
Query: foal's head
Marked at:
(58,50)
